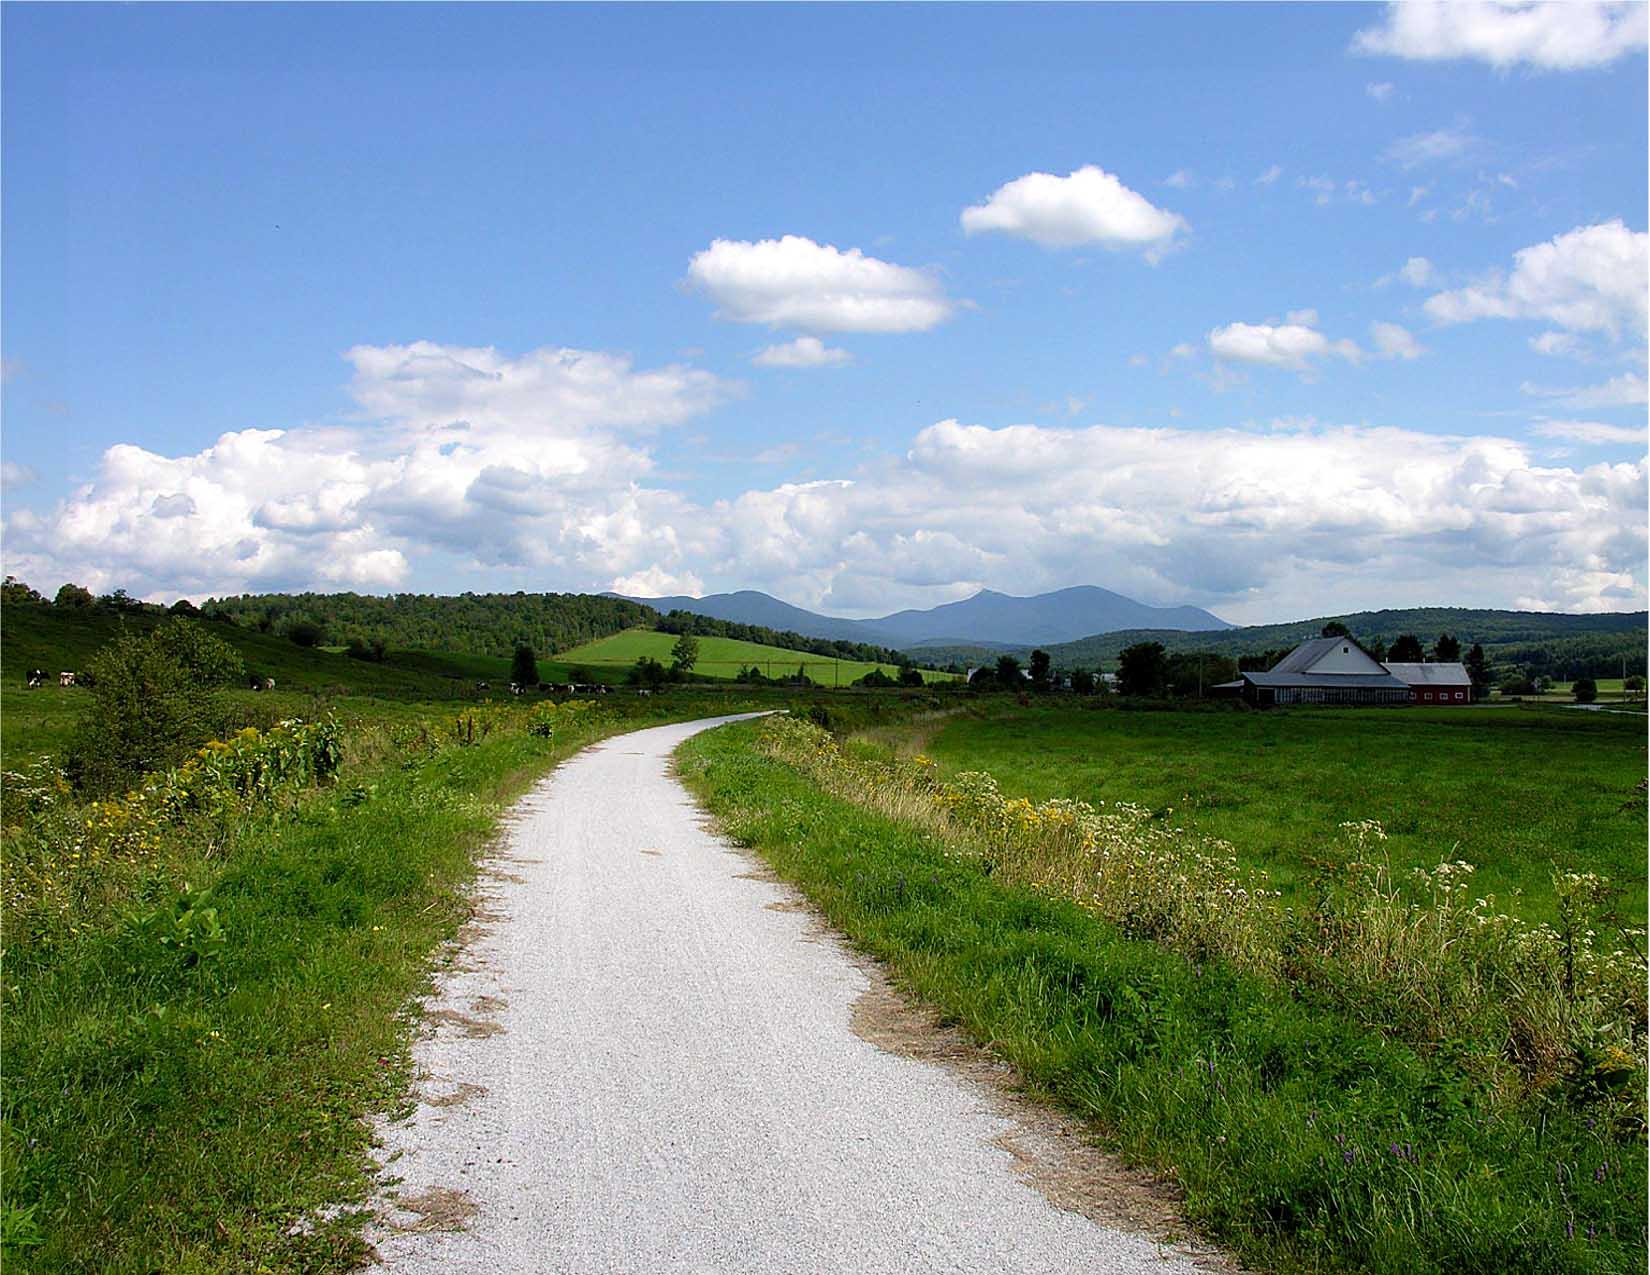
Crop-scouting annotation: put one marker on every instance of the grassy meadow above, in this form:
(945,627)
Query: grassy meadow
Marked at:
(1514,791)
(1315,1107)
(609,659)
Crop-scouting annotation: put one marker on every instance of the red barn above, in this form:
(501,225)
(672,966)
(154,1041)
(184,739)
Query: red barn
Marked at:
(1434,683)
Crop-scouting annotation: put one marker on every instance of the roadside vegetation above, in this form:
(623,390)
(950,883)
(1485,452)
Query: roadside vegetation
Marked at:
(1517,791)
(216,927)
(1389,1074)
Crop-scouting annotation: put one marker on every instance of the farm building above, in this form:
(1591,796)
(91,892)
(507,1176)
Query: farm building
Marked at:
(1434,683)
(1328,670)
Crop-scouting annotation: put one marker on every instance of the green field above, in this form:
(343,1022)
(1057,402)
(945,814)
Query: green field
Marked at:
(1513,791)
(609,659)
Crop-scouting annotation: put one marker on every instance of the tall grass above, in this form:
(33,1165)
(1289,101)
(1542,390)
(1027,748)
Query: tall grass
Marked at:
(1414,955)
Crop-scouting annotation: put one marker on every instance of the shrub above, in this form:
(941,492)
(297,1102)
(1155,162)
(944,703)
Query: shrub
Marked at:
(1585,690)
(153,699)
(647,671)
(373,651)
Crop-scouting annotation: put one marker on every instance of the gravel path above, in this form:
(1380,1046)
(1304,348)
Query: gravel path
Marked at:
(644,1060)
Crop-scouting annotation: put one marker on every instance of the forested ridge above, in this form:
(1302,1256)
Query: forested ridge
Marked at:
(466,623)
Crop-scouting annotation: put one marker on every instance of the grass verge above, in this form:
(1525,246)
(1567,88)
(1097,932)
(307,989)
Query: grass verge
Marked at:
(1301,1138)
(194,1098)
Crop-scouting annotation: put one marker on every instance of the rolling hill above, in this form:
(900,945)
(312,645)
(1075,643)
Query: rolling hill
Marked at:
(610,659)
(65,639)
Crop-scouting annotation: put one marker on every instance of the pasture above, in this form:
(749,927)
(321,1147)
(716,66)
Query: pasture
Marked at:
(57,639)
(609,659)
(1515,791)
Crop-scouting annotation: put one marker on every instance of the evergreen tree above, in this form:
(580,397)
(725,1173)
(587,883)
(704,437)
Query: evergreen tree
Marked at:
(1447,649)
(1407,650)
(524,666)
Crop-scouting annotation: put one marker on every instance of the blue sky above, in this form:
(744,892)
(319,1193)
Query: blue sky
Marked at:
(1275,309)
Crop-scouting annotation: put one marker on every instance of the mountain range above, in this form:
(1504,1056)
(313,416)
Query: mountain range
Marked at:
(986,619)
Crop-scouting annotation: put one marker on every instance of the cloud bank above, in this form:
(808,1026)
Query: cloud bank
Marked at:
(543,464)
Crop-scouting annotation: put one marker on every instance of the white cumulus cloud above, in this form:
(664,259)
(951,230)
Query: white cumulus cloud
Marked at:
(794,282)
(528,461)
(1089,206)
(1550,35)
(805,351)
(1590,279)
(1292,344)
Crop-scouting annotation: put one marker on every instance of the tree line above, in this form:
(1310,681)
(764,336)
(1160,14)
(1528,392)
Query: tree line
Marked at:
(829,648)
(466,624)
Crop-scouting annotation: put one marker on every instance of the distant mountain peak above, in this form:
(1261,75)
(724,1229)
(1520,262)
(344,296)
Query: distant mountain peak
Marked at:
(988,617)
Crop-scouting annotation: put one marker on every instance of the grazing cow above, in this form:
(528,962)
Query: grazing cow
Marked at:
(37,678)
(515,688)
(482,686)
(255,682)
(65,679)
(269,683)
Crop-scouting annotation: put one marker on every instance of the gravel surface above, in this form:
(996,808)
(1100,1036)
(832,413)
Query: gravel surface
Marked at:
(643,1060)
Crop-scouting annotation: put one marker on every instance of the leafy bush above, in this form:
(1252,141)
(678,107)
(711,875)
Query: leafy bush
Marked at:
(374,651)
(153,699)
(1585,690)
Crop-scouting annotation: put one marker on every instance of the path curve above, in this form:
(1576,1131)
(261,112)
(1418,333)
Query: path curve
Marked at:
(643,1060)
